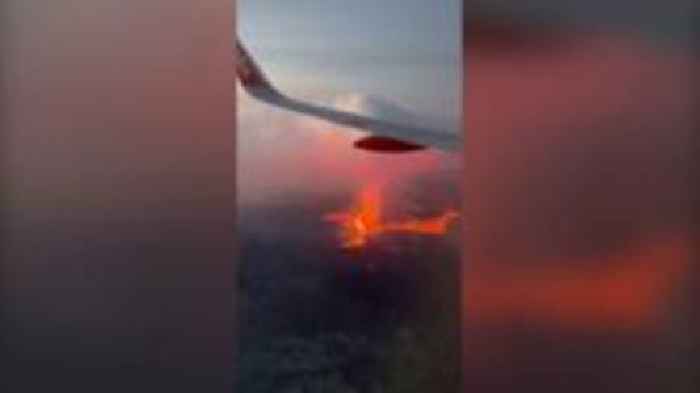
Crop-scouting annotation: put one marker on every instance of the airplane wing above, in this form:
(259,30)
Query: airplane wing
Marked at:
(383,136)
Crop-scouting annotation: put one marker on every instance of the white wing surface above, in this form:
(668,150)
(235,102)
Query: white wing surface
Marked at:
(383,136)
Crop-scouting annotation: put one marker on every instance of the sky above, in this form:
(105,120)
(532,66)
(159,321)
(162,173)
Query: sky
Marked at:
(389,48)
(402,64)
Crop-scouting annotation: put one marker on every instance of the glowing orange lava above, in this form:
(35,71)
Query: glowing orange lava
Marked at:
(364,220)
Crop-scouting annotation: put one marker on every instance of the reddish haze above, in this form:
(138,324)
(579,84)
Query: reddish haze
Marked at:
(309,157)
(578,174)
(631,289)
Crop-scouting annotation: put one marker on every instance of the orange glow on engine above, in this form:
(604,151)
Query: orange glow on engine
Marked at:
(365,220)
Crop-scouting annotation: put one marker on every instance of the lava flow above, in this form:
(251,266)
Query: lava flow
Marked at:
(364,220)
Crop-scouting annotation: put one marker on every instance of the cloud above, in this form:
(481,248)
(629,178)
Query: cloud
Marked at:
(375,106)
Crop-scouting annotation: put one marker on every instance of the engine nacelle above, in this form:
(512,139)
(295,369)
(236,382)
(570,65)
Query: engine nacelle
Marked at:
(383,144)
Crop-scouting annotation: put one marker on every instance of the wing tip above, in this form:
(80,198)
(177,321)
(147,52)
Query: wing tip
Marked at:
(248,71)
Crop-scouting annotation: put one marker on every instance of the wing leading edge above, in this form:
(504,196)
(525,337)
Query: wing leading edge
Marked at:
(394,136)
